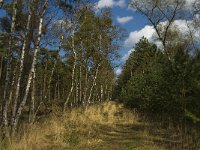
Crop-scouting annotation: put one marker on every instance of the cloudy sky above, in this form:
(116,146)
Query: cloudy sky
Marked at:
(135,24)
(129,20)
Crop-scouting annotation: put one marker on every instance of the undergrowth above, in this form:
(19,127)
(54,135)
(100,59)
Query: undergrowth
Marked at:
(99,127)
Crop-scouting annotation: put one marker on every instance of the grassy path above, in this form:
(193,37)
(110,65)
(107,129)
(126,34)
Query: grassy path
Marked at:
(108,126)
(121,131)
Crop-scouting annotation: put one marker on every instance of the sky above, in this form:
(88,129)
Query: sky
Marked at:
(125,17)
(128,19)
(135,24)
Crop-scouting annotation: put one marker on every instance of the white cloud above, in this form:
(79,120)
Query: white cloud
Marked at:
(110,3)
(189,3)
(150,33)
(124,20)
(135,36)
(126,56)
(182,26)
(118,71)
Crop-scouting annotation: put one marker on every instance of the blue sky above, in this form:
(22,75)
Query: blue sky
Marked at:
(127,18)
(136,25)
(123,16)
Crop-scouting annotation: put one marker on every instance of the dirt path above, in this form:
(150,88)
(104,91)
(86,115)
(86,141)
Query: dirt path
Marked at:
(122,137)
(107,126)
(124,133)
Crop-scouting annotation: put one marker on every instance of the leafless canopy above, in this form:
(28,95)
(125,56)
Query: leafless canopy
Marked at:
(159,11)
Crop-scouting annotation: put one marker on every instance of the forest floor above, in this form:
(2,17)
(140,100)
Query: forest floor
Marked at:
(108,126)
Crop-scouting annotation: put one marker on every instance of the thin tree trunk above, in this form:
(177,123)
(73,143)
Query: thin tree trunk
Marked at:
(1,67)
(109,92)
(81,97)
(47,93)
(52,71)
(71,89)
(12,86)
(85,87)
(21,65)
(44,83)
(55,91)
(93,84)
(80,84)
(58,87)
(32,71)
(62,92)
(73,74)
(58,93)
(32,104)
(106,92)
(8,68)
(77,92)
(101,98)
(85,84)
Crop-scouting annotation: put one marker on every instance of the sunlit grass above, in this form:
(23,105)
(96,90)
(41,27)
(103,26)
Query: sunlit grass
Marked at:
(99,127)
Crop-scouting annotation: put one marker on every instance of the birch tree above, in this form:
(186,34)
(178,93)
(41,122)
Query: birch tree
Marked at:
(161,15)
(8,67)
(73,72)
(21,62)
(32,70)
(40,75)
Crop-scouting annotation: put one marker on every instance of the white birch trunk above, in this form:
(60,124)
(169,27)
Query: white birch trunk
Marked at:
(58,93)
(8,67)
(1,67)
(73,75)
(77,92)
(93,84)
(106,92)
(80,84)
(32,104)
(21,67)
(32,71)
(101,99)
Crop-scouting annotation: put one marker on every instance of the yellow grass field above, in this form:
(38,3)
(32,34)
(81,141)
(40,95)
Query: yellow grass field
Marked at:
(108,126)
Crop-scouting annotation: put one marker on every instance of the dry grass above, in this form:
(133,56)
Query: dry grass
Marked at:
(105,126)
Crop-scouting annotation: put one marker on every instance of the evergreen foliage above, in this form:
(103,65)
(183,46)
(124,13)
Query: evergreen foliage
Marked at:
(159,88)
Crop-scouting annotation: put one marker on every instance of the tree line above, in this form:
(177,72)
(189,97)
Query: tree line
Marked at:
(53,53)
(163,81)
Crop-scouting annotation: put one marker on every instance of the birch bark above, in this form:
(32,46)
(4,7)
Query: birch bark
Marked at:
(8,68)
(73,74)
(93,84)
(21,65)
(32,71)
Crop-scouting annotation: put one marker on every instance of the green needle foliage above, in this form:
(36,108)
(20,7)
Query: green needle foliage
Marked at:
(158,87)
